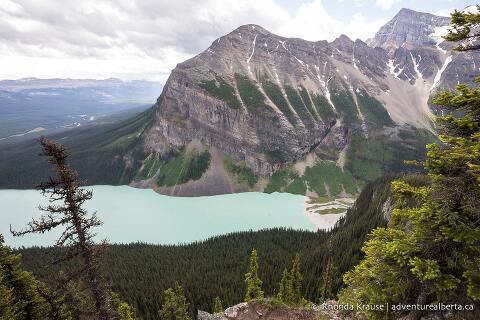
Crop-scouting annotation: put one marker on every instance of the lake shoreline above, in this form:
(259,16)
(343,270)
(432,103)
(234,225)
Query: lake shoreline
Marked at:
(319,215)
(142,215)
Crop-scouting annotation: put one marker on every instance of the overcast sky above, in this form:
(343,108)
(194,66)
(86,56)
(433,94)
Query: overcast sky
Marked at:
(145,39)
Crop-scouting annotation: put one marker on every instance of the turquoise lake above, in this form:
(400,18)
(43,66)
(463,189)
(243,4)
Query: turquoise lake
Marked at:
(131,215)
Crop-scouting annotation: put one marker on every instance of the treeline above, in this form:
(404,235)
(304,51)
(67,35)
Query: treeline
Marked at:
(140,273)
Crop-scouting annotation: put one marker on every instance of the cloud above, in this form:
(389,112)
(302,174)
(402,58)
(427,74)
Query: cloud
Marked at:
(362,28)
(312,22)
(386,4)
(444,12)
(143,38)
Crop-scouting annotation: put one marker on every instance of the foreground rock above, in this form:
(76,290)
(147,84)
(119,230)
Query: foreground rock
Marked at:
(256,310)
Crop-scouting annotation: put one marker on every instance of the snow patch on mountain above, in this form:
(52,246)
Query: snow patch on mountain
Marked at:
(392,68)
(416,66)
(253,49)
(438,76)
(437,35)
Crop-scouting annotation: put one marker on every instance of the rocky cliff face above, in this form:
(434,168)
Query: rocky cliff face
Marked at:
(416,50)
(344,110)
(409,28)
(234,96)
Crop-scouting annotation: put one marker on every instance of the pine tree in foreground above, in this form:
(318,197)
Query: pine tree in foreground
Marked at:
(76,242)
(326,287)
(22,296)
(430,252)
(463,24)
(285,292)
(217,305)
(174,306)
(290,288)
(6,298)
(252,281)
(296,277)
(124,310)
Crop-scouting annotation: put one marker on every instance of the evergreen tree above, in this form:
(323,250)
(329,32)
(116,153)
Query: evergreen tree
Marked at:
(430,251)
(124,310)
(296,277)
(290,287)
(174,305)
(285,292)
(66,210)
(463,24)
(326,287)
(6,298)
(252,281)
(21,295)
(217,305)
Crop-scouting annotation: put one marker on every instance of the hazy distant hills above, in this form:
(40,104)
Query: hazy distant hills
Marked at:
(33,105)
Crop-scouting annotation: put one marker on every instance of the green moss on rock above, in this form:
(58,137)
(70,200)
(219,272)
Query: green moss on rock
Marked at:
(326,174)
(275,94)
(374,112)
(307,102)
(286,180)
(220,89)
(297,104)
(181,167)
(240,172)
(345,105)
(323,107)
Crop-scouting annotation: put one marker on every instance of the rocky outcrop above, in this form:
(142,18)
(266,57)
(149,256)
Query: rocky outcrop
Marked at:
(203,315)
(416,50)
(268,101)
(246,130)
(257,310)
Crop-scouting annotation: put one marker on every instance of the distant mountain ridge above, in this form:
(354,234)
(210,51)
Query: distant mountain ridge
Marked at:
(112,89)
(32,105)
(257,111)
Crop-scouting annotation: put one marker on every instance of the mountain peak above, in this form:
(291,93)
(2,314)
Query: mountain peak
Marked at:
(409,28)
(343,38)
(250,28)
(408,11)
(343,42)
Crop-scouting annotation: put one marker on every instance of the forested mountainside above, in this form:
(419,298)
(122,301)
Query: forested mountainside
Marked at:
(140,272)
(98,152)
(257,111)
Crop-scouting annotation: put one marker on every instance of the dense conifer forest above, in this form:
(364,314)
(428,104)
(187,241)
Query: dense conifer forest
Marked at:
(140,273)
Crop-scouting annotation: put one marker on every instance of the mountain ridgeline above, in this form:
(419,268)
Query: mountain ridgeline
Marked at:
(260,112)
(32,106)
